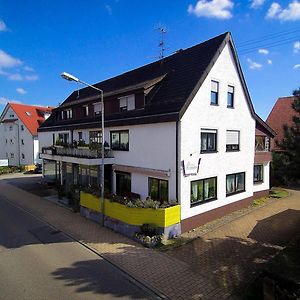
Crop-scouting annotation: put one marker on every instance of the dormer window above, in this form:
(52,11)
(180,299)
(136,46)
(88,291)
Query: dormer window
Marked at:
(67,114)
(127,103)
(86,110)
(97,108)
(28,113)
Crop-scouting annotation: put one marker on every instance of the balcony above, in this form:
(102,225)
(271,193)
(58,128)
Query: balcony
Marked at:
(80,155)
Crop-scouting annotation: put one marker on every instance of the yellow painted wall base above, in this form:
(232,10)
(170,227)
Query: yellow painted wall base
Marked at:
(161,217)
(29,167)
(90,201)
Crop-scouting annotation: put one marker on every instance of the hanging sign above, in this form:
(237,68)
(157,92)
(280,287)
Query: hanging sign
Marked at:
(191,165)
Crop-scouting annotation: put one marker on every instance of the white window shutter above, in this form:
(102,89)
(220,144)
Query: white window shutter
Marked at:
(131,102)
(232,137)
(123,102)
(97,107)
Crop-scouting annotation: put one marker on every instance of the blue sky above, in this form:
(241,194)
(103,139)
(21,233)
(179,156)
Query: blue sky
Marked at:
(95,40)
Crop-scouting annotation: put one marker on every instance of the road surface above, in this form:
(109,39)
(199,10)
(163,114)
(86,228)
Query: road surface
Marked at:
(39,262)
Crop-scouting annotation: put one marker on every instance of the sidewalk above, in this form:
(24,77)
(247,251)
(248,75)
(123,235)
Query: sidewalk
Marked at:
(211,267)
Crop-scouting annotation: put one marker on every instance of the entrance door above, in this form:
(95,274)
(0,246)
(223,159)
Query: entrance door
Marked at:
(123,183)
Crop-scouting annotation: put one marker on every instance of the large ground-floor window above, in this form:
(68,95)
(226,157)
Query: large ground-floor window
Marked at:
(235,183)
(88,176)
(258,173)
(158,189)
(203,190)
(123,183)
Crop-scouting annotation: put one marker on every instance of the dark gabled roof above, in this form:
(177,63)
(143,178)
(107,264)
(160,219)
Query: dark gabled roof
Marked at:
(176,80)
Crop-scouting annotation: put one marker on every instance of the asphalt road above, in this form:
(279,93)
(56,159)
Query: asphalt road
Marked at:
(39,262)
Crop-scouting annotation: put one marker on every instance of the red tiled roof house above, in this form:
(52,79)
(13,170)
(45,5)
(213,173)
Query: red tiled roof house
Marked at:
(18,129)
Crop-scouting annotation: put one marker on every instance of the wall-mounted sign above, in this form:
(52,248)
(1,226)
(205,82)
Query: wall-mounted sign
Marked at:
(191,165)
(3,162)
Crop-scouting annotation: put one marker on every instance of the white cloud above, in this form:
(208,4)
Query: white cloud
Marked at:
(297,66)
(291,13)
(270,62)
(296,47)
(7,61)
(32,77)
(21,91)
(219,9)
(253,65)
(15,77)
(4,101)
(263,51)
(3,26)
(28,69)
(109,9)
(256,3)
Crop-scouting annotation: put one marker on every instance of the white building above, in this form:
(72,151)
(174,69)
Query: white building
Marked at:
(18,131)
(180,128)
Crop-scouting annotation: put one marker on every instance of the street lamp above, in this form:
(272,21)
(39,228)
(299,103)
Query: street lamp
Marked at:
(70,77)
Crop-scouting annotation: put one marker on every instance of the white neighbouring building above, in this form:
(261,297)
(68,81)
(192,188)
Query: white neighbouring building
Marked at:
(18,131)
(180,128)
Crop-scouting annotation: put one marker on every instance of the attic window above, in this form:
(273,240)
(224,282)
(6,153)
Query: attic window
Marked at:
(127,103)
(97,108)
(28,113)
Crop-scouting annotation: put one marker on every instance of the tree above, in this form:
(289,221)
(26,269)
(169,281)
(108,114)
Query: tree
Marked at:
(290,145)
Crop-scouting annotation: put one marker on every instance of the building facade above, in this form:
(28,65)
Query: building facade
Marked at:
(180,129)
(18,130)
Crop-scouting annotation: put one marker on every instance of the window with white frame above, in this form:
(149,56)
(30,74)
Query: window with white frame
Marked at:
(12,155)
(127,103)
(22,127)
(10,128)
(86,110)
(208,140)
(232,140)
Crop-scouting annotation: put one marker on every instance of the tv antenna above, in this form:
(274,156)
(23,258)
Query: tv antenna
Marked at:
(161,44)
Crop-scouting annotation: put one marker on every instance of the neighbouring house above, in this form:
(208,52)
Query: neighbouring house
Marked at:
(18,131)
(281,114)
(179,129)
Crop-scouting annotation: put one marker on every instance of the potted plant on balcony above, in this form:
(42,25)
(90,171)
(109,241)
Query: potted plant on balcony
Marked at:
(59,143)
(82,145)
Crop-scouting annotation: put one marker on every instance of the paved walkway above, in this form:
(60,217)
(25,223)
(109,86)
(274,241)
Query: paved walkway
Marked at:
(202,275)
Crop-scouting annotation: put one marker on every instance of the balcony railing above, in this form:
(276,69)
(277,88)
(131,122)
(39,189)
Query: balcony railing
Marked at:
(81,152)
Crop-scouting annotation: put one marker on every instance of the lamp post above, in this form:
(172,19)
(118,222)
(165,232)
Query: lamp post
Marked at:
(70,77)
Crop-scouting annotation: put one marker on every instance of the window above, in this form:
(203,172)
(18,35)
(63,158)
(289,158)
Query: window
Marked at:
(11,115)
(23,156)
(22,127)
(5,141)
(119,140)
(158,189)
(235,183)
(12,155)
(214,94)
(95,137)
(230,96)
(28,113)
(203,190)
(97,108)
(11,141)
(86,110)
(67,114)
(232,140)
(22,142)
(123,183)
(127,103)
(10,128)
(208,140)
(80,135)
(63,137)
(258,175)
(262,143)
